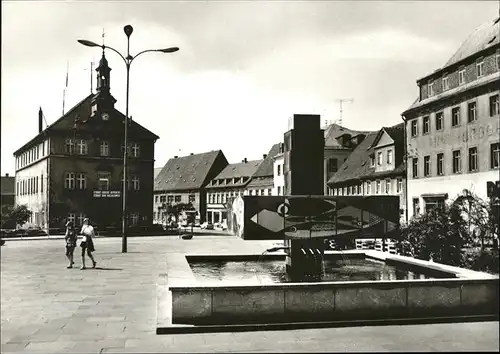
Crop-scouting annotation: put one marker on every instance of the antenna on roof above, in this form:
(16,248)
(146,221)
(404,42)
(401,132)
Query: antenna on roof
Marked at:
(340,101)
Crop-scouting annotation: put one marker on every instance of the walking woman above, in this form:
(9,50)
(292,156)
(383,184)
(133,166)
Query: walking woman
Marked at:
(70,238)
(87,244)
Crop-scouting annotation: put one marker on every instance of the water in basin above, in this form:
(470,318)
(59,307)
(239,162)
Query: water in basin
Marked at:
(273,271)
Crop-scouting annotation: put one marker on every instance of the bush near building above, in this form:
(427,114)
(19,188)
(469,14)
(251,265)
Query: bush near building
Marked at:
(462,233)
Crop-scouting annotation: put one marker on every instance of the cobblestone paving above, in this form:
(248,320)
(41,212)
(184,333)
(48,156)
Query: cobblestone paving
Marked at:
(47,308)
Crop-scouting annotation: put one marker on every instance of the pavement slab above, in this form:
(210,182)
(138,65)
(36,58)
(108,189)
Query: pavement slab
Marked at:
(46,308)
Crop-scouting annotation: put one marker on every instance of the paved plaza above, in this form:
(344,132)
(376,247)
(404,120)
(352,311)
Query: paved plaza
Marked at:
(47,308)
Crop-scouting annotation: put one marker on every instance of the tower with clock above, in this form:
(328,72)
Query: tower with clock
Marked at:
(103,102)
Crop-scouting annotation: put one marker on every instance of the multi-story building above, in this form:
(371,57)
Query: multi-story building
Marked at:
(377,166)
(339,144)
(184,180)
(74,168)
(8,187)
(232,181)
(262,182)
(453,127)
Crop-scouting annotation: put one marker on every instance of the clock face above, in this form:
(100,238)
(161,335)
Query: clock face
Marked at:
(105,116)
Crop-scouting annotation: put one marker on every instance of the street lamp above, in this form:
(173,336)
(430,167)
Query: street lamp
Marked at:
(128,29)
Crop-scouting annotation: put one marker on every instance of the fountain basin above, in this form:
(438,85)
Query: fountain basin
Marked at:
(461,293)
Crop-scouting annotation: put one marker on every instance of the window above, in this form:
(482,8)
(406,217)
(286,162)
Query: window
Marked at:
(372,161)
(69,180)
(389,156)
(455,116)
(103,181)
(71,217)
(81,181)
(80,218)
(279,190)
(269,191)
(461,77)
(332,165)
(178,198)
(192,198)
(415,167)
(69,146)
(156,199)
(426,125)
(416,206)
(433,203)
(104,148)
(498,59)
(457,162)
(170,199)
(473,159)
(368,187)
(427,166)
(278,171)
(431,88)
(446,84)
(135,150)
(377,187)
(414,127)
(471,112)
(439,120)
(387,186)
(495,155)
(494,105)
(36,184)
(81,147)
(399,187)
(261,192)
(379,158)
(480,67)
(136,185)
(440,164)
(134,219)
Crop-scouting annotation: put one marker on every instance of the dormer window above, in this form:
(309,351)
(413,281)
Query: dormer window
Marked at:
(480,67)
(446,84)
(431,88)
(372,160)
(461,76)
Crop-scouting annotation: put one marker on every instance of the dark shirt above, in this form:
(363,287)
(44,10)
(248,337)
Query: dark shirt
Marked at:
(70,237)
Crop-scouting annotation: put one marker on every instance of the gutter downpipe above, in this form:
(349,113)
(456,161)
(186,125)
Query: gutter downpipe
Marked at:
(405,154)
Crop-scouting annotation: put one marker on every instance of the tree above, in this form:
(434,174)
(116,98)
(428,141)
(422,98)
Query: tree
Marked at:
(12,216)
(439,234)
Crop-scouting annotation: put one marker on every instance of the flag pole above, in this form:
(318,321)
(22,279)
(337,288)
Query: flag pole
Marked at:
(66,87)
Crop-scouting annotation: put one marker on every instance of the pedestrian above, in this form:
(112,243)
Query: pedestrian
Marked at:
(70,238)
(87,244)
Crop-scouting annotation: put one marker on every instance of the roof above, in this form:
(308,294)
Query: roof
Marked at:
(357,165)
(483,37)
(8,185)
(334,131)
(486,35)
(240,169)
(266,167)
(265,181)
(186,172)
(82,111)
(157,171)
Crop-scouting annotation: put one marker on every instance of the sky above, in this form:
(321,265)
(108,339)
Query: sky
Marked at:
(243,68)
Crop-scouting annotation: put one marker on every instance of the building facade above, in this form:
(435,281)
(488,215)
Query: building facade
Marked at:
(262,182)
(8,187)
(232,181)
(184,180)
(278,176)
(376,167)
(74,168)
(453,127)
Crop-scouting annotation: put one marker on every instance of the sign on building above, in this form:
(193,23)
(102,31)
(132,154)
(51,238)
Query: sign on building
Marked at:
(107,194)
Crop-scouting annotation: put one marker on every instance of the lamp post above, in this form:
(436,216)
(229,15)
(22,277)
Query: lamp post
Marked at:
(128,29)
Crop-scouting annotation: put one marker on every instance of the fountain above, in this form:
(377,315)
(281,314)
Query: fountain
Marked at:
(315,287)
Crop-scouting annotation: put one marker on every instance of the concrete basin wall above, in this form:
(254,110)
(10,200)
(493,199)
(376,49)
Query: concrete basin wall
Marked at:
(334,301)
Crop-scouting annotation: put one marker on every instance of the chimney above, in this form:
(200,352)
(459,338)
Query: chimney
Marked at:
(191,154)
(6,175)
(244,160)
(176,156)
(40,120)
(264,156)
